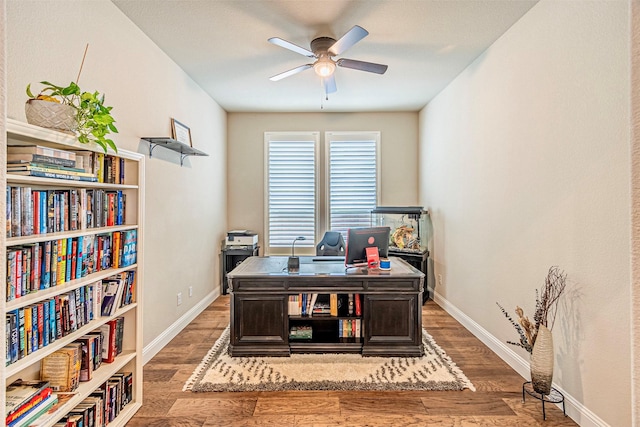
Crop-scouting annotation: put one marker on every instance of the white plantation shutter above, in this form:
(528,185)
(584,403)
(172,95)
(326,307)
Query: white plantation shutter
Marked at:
(353,179)
(291,189)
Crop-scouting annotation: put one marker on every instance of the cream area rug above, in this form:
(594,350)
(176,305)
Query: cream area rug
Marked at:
(220,372)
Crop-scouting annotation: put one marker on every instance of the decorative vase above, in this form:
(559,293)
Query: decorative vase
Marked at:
(50,115)
(542,361)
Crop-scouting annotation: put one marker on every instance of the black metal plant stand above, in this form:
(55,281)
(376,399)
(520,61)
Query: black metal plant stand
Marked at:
(554,397)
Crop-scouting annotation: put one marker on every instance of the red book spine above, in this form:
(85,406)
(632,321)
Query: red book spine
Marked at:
(74,255)
(22,410)
(358,305)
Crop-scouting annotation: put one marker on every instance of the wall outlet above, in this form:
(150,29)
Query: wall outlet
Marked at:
(179,298)
(440,279)
(190,291)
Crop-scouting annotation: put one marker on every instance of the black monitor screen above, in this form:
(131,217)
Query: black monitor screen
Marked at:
(359,239)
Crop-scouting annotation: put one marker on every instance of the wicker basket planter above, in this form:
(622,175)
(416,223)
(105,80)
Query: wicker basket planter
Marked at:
(51,115)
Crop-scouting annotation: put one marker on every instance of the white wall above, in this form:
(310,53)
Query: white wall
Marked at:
(635,198)
(525,164)
(185,206)
(398,167)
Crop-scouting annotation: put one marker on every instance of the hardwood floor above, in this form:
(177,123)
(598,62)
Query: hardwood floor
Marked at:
(496,402)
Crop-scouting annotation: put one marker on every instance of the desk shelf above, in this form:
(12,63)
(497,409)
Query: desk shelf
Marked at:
(173,145)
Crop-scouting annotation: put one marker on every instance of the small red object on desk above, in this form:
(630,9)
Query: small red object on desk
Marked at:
(373,257)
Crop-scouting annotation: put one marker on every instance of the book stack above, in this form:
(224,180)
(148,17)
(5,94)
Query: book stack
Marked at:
(26,401)
(35,160)
(302,332)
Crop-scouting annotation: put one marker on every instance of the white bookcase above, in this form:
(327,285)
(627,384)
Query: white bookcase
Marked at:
(130,360)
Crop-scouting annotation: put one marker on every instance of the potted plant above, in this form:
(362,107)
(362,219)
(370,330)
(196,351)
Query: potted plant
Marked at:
(535,337)
(70,109)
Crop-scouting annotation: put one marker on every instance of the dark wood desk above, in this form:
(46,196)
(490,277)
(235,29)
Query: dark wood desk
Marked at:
(391,315)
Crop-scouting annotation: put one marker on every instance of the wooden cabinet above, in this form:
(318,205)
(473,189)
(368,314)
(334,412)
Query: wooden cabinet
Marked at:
(131,188)
(389,321)
(393,324)
(259,325)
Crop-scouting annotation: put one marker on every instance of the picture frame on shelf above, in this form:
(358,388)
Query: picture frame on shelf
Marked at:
(181,133)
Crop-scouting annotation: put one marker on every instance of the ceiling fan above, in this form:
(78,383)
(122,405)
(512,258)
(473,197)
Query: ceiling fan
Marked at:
(323,49)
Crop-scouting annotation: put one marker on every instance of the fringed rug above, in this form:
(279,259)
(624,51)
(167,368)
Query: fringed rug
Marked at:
(220,372)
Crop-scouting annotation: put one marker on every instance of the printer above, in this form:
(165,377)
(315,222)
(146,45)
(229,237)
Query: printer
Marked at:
(241,238)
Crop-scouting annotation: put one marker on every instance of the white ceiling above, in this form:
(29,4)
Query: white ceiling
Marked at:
(222,45)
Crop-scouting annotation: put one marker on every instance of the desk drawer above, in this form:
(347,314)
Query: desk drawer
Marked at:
(394,285)
(330,285)
(241,285)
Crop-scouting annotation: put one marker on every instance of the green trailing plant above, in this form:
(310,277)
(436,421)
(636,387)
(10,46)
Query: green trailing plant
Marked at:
(545,313)
(93,119)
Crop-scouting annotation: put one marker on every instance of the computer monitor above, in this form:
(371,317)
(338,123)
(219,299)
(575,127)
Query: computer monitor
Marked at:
(359,239)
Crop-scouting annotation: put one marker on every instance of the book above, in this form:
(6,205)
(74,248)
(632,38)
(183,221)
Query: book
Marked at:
(37,167)
(43,166)
(333,303)
(47,417)
(20,392)
(129,252)
(37,412)
(109,350)
(312,303)
(62,368)
(26,410)
(17,158)
(88,344)
(43,151)
(111,295)
(55,175)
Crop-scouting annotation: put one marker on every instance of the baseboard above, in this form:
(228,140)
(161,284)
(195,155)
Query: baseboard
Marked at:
(575,409)
(165,337)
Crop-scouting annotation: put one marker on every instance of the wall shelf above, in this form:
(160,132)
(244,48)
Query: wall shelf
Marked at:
(173,145)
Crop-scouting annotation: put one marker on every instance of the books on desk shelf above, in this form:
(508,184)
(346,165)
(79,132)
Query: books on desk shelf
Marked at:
(301,304)
(325,305)
(301,332)
(349,328)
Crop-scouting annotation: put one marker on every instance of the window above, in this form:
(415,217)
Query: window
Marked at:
(296,204)
(352,179)
(291,188)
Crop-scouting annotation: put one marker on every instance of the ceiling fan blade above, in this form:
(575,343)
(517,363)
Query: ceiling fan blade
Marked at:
(290,72)
(362,66)
(329,84)
(294,47)
(353,36)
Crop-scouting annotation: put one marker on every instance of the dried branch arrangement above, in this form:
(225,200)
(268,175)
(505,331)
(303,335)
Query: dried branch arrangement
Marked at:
(546,309)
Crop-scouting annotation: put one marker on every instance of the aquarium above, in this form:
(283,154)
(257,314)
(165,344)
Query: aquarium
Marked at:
(408,227)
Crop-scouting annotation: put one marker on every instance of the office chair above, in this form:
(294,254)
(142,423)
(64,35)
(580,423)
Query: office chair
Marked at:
(332,244)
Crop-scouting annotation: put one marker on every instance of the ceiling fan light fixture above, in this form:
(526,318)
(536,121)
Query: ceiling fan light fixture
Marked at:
(324,67)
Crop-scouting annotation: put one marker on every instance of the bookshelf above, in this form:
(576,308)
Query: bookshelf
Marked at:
(129,190)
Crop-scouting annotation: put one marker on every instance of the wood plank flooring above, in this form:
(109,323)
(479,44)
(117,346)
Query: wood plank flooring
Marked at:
(497,401)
